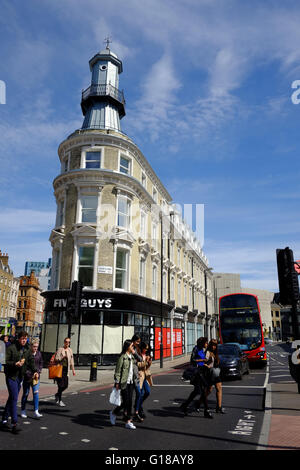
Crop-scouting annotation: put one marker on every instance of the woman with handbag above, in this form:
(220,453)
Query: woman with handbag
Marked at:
(216,374)
(124,381)
(34,383)
(200,380)
(143,382)
(214,379)
(64,357)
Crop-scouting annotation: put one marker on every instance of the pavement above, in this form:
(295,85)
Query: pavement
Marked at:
(281,426)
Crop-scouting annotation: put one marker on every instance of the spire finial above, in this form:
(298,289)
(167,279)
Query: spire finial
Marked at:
(107,41)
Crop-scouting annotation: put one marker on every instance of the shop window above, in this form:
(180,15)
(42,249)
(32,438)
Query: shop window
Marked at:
(91,317)
(128,319)
(112,318)
(138,319)
(51,317)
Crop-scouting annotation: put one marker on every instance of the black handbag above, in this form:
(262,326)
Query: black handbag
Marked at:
(189,373)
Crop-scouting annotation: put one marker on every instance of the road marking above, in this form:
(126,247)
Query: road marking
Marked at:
(63,433)
(277,376)
(43,427)
(85,440)
(245,425)
(223,386)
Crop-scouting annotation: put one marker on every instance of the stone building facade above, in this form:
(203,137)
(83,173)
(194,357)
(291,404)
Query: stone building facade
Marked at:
(116,231)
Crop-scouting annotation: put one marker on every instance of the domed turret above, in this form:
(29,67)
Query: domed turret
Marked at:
(102,103)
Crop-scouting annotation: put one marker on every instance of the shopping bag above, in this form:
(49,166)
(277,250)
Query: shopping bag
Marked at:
(55,371)
(115,397)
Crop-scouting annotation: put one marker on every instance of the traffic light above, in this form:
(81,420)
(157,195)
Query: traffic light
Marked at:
(74,300)
(287,277)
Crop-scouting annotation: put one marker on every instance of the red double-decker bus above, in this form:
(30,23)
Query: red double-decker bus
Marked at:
(240,322)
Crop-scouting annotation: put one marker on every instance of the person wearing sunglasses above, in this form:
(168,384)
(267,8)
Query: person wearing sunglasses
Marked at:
(64,356)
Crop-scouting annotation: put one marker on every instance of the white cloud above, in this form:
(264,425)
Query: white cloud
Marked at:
(26,221)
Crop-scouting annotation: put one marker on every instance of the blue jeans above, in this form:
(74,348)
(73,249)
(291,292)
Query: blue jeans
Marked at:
(13,387)
(141,395)
(35,393)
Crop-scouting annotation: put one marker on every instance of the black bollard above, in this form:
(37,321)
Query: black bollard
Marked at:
(94,365)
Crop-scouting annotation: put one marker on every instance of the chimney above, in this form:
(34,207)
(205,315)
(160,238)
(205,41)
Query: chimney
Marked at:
(4,258)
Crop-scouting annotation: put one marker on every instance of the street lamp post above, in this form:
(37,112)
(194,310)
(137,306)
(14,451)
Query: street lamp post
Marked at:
(206,303)
(161,347)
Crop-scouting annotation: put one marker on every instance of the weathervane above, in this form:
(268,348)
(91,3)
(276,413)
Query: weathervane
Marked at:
(107,41)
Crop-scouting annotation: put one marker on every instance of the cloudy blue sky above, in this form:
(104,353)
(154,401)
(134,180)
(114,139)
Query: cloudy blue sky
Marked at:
(208,91)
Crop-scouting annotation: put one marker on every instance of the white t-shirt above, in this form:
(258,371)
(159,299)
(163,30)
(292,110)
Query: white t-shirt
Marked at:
(130,375)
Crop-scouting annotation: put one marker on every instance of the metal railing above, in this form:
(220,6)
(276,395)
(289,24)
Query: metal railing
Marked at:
(104,90)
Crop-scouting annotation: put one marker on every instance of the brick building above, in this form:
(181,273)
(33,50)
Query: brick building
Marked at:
(30,305)
(8,296)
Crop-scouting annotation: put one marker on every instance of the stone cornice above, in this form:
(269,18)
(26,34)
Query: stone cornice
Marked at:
(100,178)
(83,137)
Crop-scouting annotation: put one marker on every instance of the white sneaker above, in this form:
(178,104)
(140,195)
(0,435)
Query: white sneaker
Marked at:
(61,403)
(130,426)
(37,414)
(112,418)
(23,414)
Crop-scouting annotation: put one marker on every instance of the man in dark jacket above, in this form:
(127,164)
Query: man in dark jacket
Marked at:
(18,359)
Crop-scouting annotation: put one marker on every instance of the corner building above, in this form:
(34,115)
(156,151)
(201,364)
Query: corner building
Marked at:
(117,232)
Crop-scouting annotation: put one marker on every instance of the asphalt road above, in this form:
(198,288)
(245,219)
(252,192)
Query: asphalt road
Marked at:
(84,423)
(278,363)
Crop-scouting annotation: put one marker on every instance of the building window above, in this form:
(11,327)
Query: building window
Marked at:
(143,225)
(125,166)
(185,295)
(144,180)
(154,194)
(172,251)
(154,282)
(65,164)
(154,236)
(60,213)
(142,276)
(121,269)
(164,286)
(89,208)
(123,212)
(172,287)
(178,257)
(93,159)
(179,293)
(86,265)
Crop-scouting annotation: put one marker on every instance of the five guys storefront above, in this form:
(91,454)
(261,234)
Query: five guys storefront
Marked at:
(105,320)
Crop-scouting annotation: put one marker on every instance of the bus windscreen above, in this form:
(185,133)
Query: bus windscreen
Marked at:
(240,321)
